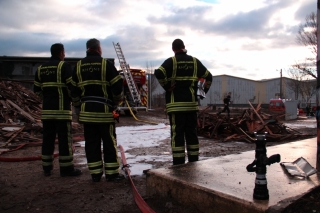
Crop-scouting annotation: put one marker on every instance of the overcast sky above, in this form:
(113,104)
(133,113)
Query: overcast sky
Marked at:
(251,39)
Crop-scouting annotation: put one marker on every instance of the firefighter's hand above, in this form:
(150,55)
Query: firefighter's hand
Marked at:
(116,115)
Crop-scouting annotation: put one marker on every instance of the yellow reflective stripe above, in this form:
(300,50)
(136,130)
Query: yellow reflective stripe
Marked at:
(195,67)
(195,74)
(178,155)
(179,148)
(59,88)
(114,140)
(103,79)
(112,172)
(96,114)
(79,71)
(59,71)
(184,78)
(79,76)
(188,104)
(111,165)
(53,84)
(37,84)
(47,157)
(193,152)
(115,79)
(195,146)
(95,171)
(174,73)
(173,130)
(95,164)
(70,141)
(97,82)
(69,80)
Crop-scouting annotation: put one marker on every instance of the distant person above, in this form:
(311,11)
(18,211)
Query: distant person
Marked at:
(308,109)
(98,89)
(226,102)
(179,75)
(51,83)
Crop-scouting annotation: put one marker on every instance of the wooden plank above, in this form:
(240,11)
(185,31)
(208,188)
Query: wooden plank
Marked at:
(262,121)
(13,136)
(22,112)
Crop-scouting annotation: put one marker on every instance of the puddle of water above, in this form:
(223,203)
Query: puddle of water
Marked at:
(137,163)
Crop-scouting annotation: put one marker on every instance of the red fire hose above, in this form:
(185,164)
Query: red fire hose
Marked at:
(142,205)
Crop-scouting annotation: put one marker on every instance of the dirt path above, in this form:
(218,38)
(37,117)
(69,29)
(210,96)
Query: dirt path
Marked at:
(24,188)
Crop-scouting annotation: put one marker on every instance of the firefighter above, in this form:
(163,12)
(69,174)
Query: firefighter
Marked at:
(226,102)
(52,81)
(179,76)
(97,90)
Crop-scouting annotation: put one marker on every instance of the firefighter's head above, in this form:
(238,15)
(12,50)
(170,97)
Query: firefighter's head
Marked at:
(93,45)
(178,46)
(57,50)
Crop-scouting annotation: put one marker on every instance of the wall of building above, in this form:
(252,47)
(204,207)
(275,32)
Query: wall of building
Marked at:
(244,90)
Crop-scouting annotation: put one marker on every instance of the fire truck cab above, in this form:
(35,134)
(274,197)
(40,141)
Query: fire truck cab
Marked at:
(277,105)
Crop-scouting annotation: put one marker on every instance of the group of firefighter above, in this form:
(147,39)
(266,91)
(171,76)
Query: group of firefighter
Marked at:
(94,88)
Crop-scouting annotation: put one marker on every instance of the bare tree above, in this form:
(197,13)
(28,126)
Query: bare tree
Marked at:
(308,89)
(307,36)
(301,84)
(295,81)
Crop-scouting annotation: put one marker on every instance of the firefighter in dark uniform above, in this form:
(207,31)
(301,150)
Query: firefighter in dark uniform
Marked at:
(179,76)
(226,102)
(52,84)
(98,89)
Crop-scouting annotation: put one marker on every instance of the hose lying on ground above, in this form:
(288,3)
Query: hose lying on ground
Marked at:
(142,205)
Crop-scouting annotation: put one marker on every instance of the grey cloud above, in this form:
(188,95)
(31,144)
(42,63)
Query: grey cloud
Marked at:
(306,9)
(252,24)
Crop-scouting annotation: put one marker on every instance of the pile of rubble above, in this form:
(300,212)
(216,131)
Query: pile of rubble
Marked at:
(20,114)
(243,128)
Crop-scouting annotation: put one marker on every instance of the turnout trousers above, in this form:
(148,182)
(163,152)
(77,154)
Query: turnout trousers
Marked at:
(93,134)
(184,131)
(63,129)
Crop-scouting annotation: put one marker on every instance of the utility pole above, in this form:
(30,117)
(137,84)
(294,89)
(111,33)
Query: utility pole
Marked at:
(150,90)
(318,87)
(280,83)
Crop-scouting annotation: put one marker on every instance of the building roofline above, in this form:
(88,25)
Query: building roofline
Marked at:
(24,59)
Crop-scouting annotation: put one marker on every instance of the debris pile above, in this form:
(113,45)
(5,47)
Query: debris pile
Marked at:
(20,114)
(242,128)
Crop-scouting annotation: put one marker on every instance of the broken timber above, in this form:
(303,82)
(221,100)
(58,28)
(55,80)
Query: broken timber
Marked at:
(243,127)
(21,108)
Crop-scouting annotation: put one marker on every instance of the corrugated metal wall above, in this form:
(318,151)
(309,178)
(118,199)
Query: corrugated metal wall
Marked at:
(243,90)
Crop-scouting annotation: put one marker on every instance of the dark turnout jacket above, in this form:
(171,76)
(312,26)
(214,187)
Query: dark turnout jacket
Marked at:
(179,76)
(97,88)
(53,83)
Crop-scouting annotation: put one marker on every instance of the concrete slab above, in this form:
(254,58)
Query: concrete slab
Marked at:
(223,184)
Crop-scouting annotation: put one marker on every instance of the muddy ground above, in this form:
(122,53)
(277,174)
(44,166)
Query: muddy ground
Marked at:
(24,188)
